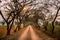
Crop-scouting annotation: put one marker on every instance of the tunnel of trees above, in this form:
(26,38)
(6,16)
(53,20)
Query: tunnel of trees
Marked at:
(29,12)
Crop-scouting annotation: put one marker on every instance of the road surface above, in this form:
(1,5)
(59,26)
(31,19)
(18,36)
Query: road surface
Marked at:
(30,34)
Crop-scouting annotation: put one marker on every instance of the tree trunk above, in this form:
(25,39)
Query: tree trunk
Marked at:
(53,27)
(8,30)
(54,20)
(15,29)
(45,25)
(18,27)
(9,26)
(45,28)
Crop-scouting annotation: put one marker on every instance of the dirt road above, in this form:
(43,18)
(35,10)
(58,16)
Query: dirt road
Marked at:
(30,34)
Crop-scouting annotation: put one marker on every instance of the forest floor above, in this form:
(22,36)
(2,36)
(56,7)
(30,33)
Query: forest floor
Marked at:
(29,33)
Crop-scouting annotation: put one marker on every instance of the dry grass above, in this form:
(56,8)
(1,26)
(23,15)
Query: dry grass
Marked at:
(13,35)
(2,31)
(56,34)
(43,35)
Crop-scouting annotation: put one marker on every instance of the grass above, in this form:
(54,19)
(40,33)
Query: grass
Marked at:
(3,32)
(42,35)
(56,34)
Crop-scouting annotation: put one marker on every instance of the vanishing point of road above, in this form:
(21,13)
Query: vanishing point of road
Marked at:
(30,34)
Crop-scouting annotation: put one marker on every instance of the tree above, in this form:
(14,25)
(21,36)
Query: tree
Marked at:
(54,20)
(56,4)
(20,12)
(9,23)
(9,20)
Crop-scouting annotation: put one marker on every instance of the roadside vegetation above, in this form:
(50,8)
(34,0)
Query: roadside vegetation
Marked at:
(44,15)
